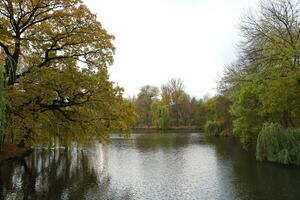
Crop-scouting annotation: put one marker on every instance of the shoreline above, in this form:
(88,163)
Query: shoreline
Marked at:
(169,130)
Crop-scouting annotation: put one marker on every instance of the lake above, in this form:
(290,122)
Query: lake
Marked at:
(149,166)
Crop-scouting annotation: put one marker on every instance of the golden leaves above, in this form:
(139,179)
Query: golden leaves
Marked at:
(62,89)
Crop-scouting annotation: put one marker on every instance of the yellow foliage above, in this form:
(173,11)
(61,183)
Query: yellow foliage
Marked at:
(56,56)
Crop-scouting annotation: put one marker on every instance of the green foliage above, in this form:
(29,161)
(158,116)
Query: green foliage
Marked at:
(160,115)
(179,102)
(276,145)
(200,115)
(245,109)
(179,108)
(143,104)
(215,112)
(213,128)
(263,84)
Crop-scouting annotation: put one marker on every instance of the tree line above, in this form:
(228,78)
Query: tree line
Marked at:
(172,107)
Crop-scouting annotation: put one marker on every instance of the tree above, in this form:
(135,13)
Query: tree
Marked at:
(216,116)
(200,115)
(160,115)
(268,66)
(166,94)
(194,104)
(144,101)
(173,94)
(184,109)
(2,112)
(55,57)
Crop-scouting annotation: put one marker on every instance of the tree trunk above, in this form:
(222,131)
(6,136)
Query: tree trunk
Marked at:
(2,111)
(7,78)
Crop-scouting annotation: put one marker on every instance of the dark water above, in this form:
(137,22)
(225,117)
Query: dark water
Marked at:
(151,166)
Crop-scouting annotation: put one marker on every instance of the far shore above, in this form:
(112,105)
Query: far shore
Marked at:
(177,129)
(14,152)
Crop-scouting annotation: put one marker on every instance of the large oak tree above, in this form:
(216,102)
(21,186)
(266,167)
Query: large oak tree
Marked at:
(54,59)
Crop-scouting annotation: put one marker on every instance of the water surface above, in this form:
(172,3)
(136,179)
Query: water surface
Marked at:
(149,166)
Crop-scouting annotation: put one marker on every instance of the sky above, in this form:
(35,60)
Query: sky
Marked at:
(157,40)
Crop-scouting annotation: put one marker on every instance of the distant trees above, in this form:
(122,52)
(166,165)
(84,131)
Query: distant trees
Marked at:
(175,92)
(144,102)
(217,117)
(173,107)
(160,115)
(179,102)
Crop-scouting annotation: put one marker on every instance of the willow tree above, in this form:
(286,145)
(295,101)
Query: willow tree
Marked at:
(144,101)
(160,115)
(55,55)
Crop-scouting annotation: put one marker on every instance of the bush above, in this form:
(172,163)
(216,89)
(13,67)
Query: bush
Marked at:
(277,145)
(213,128)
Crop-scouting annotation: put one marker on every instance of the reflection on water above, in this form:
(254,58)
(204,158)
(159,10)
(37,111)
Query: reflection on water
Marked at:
(55,174)
(256,180)
(149,166)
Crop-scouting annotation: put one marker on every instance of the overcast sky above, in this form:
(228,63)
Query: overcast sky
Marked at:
(157,40)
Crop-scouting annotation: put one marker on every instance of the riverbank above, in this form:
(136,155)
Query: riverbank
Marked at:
(13,152)
(181,129)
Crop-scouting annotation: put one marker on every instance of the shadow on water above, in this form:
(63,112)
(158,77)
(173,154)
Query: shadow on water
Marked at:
(253,180)
(57,174)
(164,141)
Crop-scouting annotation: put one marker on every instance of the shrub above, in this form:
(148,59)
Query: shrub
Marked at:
(277,145)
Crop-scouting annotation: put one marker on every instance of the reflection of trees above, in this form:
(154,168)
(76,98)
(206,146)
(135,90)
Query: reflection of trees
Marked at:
(249,179)
(158,141)
(54,174)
